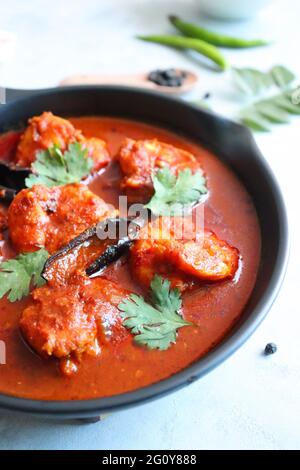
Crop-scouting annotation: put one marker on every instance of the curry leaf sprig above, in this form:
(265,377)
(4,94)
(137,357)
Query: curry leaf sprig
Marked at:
(54,168)
(276,109)
(253,82)
(175,194)
(17,275)
(154,324)
(265,109)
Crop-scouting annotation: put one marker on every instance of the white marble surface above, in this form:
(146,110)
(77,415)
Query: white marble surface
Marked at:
(250,402)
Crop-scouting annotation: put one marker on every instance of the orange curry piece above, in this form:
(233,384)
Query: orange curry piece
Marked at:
(200,257)
(66,322)
(51,217)
(47,130)
(139,158)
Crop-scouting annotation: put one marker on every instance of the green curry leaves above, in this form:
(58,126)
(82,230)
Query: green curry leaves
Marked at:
(17,275)
(251,81)
(274,109)
(54,168)
(282,76)
(154,324)
(254,82)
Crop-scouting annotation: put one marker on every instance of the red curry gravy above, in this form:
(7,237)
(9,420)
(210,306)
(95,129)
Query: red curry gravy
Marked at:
(214,308)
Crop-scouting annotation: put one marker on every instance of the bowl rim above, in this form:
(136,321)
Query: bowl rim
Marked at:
(97,406)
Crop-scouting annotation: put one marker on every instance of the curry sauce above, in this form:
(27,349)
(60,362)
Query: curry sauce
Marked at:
(213,308)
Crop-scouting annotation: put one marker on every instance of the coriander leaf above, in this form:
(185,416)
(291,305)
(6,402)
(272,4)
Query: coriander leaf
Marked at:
(164,298)
(16,275)
(54,168)
(154,338)
(173,195)
(138,312)
(281,76)
(154,326)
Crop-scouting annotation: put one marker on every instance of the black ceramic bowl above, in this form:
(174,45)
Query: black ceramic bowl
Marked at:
(234,145)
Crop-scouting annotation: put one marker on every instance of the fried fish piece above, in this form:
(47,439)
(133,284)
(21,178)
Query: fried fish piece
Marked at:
(66,322)
(51,217)
(194,257)
(139,158)
(47,130)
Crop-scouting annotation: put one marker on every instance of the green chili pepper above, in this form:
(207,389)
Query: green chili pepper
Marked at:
(190,43)
(196,32)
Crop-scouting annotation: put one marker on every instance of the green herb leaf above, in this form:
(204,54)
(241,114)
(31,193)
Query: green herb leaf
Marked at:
(251,81)
(275,109)
(53,168)
(156,325)
(17,275)
(293,102)
(254,82)
(174,195)
(282,76)
(272,112)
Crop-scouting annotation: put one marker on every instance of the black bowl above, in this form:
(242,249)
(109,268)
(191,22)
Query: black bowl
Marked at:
(234,145)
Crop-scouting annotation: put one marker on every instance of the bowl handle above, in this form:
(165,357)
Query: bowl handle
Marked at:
(8,95)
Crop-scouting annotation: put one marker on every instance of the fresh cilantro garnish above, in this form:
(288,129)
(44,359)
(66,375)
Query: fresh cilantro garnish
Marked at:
(174,194)
(54,168)
(17,275)
(154,326)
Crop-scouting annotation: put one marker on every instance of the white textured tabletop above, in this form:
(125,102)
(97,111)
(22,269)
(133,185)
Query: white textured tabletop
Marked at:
(251,401)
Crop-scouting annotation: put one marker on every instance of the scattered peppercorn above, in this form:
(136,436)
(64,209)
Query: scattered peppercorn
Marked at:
(270,348)
(168,77)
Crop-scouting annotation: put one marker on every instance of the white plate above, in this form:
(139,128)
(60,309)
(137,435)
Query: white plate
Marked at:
(232,9)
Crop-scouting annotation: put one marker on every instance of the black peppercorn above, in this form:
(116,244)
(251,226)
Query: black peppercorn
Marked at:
(168,77)
(206,96)
(270,348)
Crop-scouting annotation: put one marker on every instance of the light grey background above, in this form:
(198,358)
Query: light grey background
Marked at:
(250,401)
